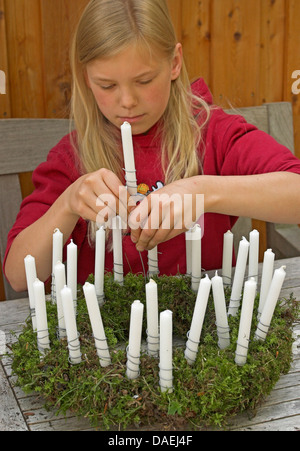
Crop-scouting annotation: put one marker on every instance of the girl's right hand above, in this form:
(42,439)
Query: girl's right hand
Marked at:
(98,196)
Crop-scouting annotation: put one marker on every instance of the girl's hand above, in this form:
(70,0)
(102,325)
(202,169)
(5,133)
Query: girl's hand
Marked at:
(166,213)
(98,197)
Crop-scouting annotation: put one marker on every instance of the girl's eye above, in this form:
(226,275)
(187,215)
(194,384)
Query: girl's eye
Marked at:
(106,87)
(145,82)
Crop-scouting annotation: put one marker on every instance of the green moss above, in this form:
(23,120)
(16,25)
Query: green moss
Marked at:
(205,394)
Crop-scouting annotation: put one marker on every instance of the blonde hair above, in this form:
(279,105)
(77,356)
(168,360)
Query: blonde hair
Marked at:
(106,28)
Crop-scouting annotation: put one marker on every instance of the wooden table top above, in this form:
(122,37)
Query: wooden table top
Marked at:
(21,412)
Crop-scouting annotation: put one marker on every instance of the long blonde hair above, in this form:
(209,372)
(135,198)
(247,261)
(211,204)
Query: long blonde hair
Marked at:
(106,28)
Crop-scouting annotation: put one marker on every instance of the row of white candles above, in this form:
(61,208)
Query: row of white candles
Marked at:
(160,340)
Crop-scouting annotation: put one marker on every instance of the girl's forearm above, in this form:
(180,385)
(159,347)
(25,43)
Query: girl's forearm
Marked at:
(36,240)
(271,197)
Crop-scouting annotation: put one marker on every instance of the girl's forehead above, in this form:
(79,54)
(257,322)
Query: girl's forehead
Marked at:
(132,58)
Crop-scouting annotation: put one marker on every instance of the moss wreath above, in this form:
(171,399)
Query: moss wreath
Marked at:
(205,395)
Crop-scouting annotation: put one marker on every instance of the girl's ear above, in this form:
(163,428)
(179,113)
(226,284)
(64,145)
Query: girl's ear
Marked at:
(177,62)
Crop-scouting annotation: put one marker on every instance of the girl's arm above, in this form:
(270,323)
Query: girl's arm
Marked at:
(272,197)
(80,199)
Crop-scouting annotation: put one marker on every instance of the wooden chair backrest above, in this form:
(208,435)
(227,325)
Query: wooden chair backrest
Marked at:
(25,144)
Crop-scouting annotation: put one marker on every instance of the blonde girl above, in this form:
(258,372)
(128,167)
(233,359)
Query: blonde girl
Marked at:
(128,66)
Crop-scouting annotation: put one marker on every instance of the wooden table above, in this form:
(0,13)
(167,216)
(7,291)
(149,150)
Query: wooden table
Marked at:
(20,412)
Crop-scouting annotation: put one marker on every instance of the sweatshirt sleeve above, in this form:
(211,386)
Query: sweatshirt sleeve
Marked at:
(241,149)
(50,180)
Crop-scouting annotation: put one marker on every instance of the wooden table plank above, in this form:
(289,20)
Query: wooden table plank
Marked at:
(11,417)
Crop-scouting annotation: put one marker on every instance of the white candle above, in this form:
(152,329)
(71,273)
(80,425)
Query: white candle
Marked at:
(238,279)
(97,324)
(41,316)
(57,256)
(128,153)
(135,337)
(166,352)
(196,257)
(71,326)
(220,310)
(270,304)
(30,270)
(152,318)
(117,249)
(153,262)
(245,322)
(72,268)
(57,248)
(253,254)
(60,282)
(227,257)
(197,320)
(99,264)
(266,278)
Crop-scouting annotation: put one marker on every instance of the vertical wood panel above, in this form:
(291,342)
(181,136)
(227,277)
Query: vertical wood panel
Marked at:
(175,9)
(292,63)
(235,45)
(272,50)
(25,58)
(4,98)
(59,18)
(196,38)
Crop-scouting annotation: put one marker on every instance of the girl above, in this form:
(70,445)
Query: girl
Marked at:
(128,66)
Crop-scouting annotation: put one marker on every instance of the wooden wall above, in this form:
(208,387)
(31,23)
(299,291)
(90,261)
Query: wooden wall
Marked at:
(245,50)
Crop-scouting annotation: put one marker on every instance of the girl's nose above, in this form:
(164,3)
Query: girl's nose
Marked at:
(128,99)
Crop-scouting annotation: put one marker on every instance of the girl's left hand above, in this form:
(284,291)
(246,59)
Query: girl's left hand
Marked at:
(166,213)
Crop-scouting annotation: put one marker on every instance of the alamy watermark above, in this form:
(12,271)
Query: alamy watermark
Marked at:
(2,82)
(156,211)
(296,84)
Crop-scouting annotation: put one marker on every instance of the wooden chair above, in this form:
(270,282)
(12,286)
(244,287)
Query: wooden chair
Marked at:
(25,143)
(276,119)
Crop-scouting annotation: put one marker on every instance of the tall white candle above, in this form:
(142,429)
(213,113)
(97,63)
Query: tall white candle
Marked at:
(99,264)
(60,282)
(253,254)
(30,270)
(72,268)
(57,248)
(221,313)
(270,304)
(97,324)
(197,320)
(245,322)
(117,250)
(238,279)
(196,257)
(166,351)
(153,261)
(135,337)
(128,153)
(152,318)
(227,257)
(71,326)
(41,316)
(57,256)
(266,278)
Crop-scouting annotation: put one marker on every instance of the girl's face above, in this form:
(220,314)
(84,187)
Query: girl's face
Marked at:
(133,86)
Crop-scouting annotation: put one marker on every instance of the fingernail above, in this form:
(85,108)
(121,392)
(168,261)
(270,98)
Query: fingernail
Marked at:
(133,239)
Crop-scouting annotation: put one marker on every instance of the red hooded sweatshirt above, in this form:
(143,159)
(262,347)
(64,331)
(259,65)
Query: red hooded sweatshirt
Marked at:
(231,147)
